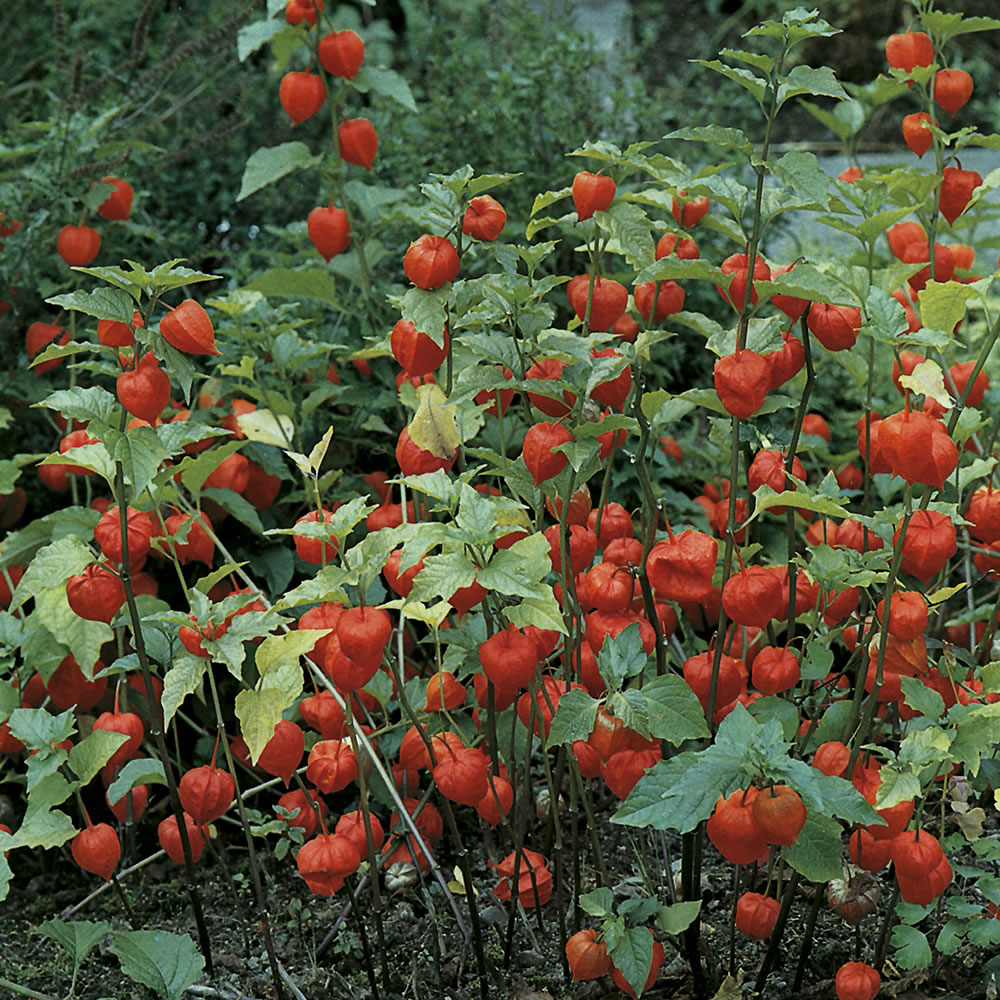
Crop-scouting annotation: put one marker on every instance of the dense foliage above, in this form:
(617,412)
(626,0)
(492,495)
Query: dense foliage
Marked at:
(386,484)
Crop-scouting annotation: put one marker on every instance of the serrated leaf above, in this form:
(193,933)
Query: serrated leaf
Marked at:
(598,902)
(746,79)
(40,730)
(270,163)
(574,718)
(51,567)
(102,303)
(805,281)
(673,712)
(819,81)
(912,948)
(633,956)
(801,171)
(943,303)
(91,754)
(716,135)
(77,937)
(622,656)
(79,403)
(427,311)
(259,712)
(816,853)
(631,228)
(167,963)
(183,678)
(948,24)
(676,268)
(543,611)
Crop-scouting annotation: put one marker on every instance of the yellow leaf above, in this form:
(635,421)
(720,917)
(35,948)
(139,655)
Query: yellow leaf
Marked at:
(318,453)
(267,427)
(433,428)
(278,650)
(927,378)
(942,595)
(259,712)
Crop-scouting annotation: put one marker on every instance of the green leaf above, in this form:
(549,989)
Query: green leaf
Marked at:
(386,83)
(948,24)
(487,182)
(143,771)
(801,498)
(441,576)
(544,612)
(598,902)
(194,470)
(923,699)
(678,917)
(676,268)
(796,25)
(102,303)
(517,571)
(784,712)
(984,933)
(170,275)
(816,853)
(679,793)
(822,793)
(746,79)
(622,656)
(271,163)
(805,281)
(816,80)
(631,229)
(91,754)
(77,937)
(305,283)
(912,948)
(801,171)
(716,135)
(132,282)
(166,963)
(949,940)
(844,120)
(574,718)
(252,36)
(183,677)
(426,311)
(40,730)
(51,567)
(633,956)
(78,403)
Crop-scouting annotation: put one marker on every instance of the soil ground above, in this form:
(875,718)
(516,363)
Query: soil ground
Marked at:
(425,953)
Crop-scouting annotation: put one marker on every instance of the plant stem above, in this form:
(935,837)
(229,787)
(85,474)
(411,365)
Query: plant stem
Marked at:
(251,853)
(775,939)
(156,718)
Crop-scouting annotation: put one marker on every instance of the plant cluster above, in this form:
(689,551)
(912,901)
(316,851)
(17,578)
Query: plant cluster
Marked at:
(371,575)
